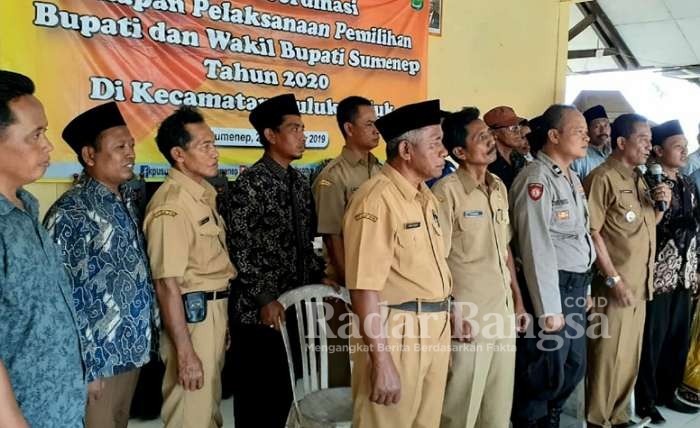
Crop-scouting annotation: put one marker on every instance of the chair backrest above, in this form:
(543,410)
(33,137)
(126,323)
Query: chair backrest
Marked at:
(313,333)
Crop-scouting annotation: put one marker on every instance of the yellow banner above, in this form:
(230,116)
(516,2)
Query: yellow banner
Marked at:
(223,57)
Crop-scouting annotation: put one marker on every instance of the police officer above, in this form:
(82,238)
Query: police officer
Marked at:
(473,212)
(191,269)
(550,216)
(398,278)
(623,227)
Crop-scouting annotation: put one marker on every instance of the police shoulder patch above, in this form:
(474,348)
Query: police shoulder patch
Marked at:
(366,216)
(535,191)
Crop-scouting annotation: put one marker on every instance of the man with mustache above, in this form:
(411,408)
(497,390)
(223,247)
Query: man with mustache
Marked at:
(473,213)
(271,221)
(507,130)
(398,278)
(623,226)
(550,218)
(191,269)
(599,146)
(40,345)
(97,228)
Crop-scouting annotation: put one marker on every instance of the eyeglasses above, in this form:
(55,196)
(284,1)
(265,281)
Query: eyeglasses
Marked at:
(511,128)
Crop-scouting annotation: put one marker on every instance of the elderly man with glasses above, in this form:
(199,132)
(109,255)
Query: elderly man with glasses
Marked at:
(506,129)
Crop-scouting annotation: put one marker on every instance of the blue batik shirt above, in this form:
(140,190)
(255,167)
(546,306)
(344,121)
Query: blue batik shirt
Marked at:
(39,341)
(104,254)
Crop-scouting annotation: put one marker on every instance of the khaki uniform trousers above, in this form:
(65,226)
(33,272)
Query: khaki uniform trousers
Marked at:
(613,362)
(112,409)
(481,377)
(419,345)
(200,408)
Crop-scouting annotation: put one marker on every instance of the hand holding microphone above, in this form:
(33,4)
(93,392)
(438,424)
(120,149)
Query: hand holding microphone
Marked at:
(657,181)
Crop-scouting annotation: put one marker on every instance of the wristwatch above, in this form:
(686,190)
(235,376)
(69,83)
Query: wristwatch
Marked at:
(611,281)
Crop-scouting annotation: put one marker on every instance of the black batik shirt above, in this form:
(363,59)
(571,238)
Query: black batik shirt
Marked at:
(270,217)
(677,240)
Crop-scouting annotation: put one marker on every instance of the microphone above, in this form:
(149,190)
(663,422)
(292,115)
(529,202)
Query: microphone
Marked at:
(655,176)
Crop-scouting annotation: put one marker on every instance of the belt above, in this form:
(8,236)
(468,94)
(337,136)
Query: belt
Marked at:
(216,295)
(420,306)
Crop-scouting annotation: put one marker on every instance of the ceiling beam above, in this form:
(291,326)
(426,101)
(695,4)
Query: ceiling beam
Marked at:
(609,35)
(581,26)
(592,53)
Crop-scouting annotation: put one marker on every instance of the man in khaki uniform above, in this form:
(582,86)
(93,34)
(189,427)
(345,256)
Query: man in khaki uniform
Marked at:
(623,227)
(473,213)
(344,175)
(191,269)
(332,190)
(398,278)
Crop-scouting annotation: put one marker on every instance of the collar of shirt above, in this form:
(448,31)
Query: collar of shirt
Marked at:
(622,169)
(31,205)
(470,184)
(408,191)
(555,169)
(199,191)
(354,160)
(96,189)
(278,170)
(603,152)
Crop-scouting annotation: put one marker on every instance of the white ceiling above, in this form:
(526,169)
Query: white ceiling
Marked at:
(659,33)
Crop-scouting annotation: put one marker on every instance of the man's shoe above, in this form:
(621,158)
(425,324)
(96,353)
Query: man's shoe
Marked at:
(688,397)
(653,413)
(677,406)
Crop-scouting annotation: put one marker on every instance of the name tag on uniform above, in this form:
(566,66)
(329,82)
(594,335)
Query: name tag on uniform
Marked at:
(560,202)
(626,191)
(473,213)
(204,221)
(415,225)
(563,215)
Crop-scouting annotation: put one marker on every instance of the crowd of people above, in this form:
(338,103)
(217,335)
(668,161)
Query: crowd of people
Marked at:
(493,263)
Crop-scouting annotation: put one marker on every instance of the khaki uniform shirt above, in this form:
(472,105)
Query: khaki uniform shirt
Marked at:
(334,186)
(551,221)
(476,231)
(185,235)
(393,241)
(623,213)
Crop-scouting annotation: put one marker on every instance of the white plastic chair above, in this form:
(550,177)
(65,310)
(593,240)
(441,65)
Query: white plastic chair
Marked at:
(314,404)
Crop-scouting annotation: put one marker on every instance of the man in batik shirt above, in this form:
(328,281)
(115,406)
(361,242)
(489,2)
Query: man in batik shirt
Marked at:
(269,213)
(667,324)
(96,227)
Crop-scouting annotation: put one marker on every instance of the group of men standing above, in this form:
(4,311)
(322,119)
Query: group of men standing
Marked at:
(442,281)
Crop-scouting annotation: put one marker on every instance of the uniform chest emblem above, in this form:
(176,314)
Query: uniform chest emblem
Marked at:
(535,191)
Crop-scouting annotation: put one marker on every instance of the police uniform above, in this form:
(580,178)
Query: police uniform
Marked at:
(332,190)
(186,239)
(394,246)
(476,231)
(623,213)
(551,222)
